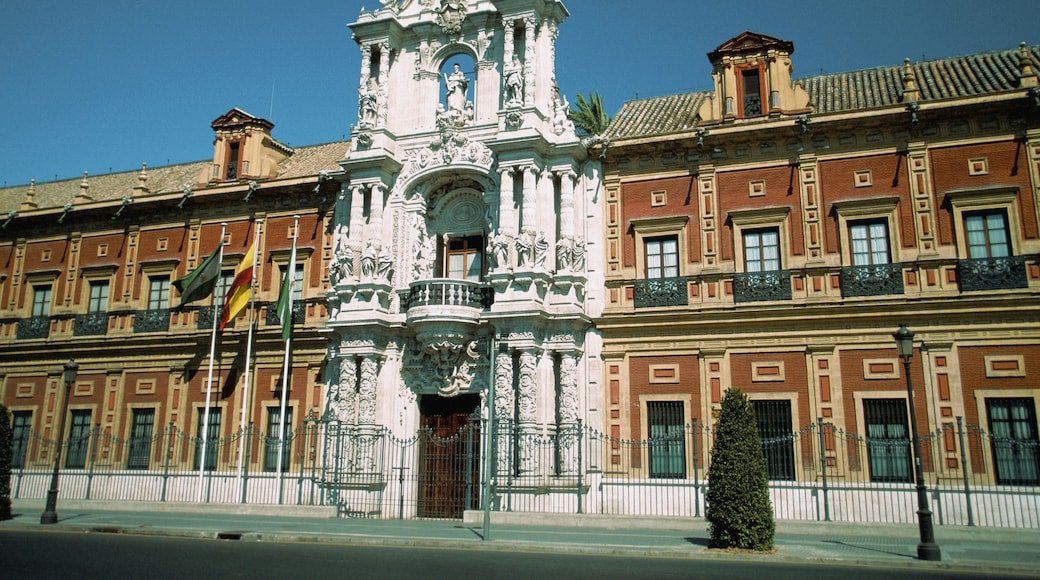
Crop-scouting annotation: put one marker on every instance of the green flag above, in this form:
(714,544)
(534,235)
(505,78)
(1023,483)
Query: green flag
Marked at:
(284,306)
(199,283)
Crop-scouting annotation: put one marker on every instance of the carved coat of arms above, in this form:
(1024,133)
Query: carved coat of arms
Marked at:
(451,15)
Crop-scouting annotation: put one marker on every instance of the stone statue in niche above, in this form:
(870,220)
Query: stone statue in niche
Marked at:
(541,246)
(563,254)
(368,261)
(560,121)
(578,254)
(457,85)
(368,104)
(498,251)
(523,249)
(514,84)
(384,265)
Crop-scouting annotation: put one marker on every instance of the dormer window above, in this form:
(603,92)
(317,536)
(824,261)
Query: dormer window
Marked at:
(231,172)
(751,93)
(244,149)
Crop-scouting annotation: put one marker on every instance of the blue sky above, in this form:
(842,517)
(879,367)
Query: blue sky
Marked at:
(104,86)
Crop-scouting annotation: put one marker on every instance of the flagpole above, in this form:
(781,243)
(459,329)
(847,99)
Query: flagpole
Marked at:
(209,375)
(291,280)
(246,390)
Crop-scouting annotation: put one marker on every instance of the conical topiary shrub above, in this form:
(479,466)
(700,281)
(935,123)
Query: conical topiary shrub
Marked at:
(739,512)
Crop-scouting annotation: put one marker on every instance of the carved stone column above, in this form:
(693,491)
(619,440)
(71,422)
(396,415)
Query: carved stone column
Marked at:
(527,411)
(568,437)
(367,390)
(505,408)
(506,217)
(375,220)
(343,403)
(357,212)
(530,193)
(567,203)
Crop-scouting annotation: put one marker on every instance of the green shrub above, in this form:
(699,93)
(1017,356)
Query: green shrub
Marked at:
(739,512)
(6,453)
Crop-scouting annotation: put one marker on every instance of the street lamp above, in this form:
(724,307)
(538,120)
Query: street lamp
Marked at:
(927,549)
(49,515)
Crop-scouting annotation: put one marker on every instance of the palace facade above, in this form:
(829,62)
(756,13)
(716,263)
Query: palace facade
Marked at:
(465,260)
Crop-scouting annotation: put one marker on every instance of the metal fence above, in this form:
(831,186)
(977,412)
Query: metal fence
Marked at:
(819,473)
(172,467)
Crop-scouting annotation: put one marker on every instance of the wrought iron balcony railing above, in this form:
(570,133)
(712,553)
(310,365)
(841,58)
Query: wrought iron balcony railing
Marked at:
(761,286)
(873,280)
(992,274)
(653,292)
(298,313)
(152,320)
(34,327)
(446,292)
(91,324)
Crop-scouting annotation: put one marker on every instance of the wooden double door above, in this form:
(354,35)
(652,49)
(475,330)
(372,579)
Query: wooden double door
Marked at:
(449,456)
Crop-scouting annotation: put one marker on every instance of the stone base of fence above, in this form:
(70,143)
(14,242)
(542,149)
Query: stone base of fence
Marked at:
(66,507)
(608,522)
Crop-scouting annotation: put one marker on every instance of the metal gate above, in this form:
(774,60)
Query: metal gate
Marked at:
(449,456)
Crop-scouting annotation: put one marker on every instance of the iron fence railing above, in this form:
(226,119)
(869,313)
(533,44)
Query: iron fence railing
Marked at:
(819,473)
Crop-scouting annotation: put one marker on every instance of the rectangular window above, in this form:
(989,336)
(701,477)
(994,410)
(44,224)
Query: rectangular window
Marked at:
(223,283)
(869,243)
(98,300)
(987,234)
(271,441)
(140,439)
(776,434)
(212,438)
(752,93)
(1013,433)
(79,440)
(21,433)
(762,250)
(888,440)
(464,258)
(662,257)
(232,161)
(667,444)
(41,305)
(298,284)
(158,292)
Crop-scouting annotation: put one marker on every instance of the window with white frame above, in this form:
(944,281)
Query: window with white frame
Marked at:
(986,234)
(41,304)
(97,301)
(869,242)
(662,257)
(761,250)
(158,292)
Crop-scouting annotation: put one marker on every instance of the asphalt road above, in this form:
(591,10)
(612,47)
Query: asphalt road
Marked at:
(43,555)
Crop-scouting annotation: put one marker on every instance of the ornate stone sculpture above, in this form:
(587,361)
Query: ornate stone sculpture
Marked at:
(541,246)
(457,85)
(514,84)
(523,249)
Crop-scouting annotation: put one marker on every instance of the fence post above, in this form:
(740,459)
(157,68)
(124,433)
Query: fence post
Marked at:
(93,458)
(166,461)
(696,478)
(315,429)
(303,461)
(581,432)
(248,434)
(964,471)
(823,471)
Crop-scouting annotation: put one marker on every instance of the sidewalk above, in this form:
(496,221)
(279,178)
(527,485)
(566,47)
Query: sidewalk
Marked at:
(966,549)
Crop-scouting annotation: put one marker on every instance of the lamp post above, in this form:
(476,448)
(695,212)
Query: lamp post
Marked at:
(927,549)
(49,515)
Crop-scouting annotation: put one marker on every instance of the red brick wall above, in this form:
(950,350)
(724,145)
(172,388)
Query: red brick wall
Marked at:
(781,190)
(635,205)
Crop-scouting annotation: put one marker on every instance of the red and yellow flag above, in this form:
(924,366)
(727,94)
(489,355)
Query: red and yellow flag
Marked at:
(237,296)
